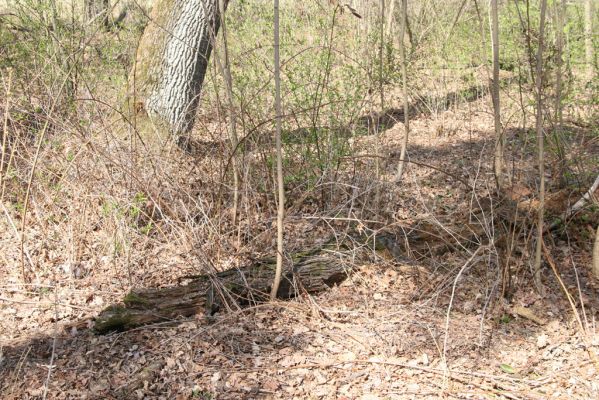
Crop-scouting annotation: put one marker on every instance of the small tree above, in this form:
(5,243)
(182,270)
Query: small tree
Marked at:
(404,80)
(280,187)
(541,147)
(499,137)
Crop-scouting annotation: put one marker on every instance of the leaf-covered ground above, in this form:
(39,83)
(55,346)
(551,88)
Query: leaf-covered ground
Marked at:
(430,325)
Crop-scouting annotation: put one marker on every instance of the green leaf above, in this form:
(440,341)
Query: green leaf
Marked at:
(507,368)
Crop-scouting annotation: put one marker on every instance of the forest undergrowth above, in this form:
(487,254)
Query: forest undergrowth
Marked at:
(92,208)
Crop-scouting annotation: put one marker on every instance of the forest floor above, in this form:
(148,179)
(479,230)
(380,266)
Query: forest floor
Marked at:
(426,328)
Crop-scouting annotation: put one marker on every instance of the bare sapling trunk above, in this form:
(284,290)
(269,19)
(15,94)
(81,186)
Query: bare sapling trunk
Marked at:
(499,137)
(541,149)
(390,18)
(559,50)
(588,38)
(225,68)
(596,255)
(404,80)
(280,187)
(377,125)
(171,62)
(559,14)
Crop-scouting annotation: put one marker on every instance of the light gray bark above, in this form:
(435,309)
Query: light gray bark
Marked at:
(172,57)
(175,95)
(280,178)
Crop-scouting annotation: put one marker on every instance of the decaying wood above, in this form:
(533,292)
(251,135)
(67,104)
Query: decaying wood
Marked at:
(312,272)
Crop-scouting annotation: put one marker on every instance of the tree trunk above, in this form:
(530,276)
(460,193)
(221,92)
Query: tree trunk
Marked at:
(596,255)
(499,137)
(280,179)
(404,82)
(228,289)
(558,113)
(313,271)
(171,63)
(588,38)
(541,148)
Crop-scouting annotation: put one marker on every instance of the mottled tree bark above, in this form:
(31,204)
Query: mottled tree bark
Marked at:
(311,271)
(228,289)
(171,62)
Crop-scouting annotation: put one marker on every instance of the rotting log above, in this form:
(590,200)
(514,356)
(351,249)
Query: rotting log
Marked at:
(312,271)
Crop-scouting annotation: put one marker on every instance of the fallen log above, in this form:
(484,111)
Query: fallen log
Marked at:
(312,271)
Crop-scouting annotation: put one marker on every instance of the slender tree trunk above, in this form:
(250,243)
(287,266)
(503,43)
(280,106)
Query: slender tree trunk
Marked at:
(280,187)
(378,126)
(390,18)
(559,44)
(483,38)
(499,137)
(404,73)
(541,144)
(171,62)
(226,71)
(596,255)
(588,38)
(558,115)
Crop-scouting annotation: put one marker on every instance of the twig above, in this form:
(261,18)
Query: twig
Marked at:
(421,164)
(578,205)
(455,282)
(43,305)
(436,371)
(51,365)
(5,135)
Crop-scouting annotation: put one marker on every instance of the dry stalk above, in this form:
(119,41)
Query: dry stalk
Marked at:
(5,135)
(54,339)
(453,289)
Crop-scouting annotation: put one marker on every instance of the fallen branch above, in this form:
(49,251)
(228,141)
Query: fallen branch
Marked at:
(578,205)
